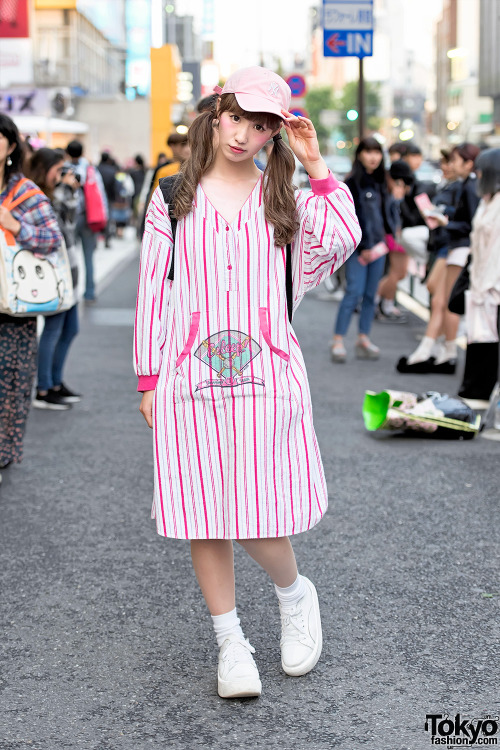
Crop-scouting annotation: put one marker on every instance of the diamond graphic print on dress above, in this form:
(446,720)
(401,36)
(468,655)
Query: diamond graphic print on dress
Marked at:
(228,353)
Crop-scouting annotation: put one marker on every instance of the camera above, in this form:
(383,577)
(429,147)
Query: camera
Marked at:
(69,170)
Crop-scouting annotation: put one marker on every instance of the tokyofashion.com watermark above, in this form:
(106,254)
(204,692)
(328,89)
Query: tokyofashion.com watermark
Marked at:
(462,732)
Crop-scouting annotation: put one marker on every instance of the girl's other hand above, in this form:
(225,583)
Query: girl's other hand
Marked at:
(304,144)
(146,407)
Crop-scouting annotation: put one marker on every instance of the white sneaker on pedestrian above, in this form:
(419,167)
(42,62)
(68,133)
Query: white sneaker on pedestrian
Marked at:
(301,636)
(237,673)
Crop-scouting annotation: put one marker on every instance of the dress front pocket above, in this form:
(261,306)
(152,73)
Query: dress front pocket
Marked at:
(266,335)
(193,330)
(237,357)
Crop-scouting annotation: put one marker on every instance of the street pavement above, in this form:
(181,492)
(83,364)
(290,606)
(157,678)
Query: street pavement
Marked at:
(107,643)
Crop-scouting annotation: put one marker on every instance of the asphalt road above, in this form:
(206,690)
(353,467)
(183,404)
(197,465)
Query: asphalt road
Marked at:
(107,643)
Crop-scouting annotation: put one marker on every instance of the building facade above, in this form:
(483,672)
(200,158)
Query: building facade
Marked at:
(462,113)
(489,56)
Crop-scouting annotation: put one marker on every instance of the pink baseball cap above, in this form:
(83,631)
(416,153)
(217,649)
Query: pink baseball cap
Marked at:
(258,90)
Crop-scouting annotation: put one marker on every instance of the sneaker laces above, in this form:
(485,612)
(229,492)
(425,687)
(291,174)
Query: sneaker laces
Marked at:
(293,626)
(237,652)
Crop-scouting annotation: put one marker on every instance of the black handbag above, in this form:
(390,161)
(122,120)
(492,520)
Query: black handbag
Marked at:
(456,303)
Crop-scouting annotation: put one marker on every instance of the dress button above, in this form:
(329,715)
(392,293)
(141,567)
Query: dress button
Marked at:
(230,267)
(227,229)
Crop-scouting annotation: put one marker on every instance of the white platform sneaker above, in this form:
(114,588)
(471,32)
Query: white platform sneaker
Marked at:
(301,636)
(237,673)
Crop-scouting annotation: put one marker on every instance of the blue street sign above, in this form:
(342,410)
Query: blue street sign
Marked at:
(299,112)
(297,85)
(348,28)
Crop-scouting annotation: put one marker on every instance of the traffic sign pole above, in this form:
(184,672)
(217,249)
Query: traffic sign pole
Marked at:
(348,32)
(361,100)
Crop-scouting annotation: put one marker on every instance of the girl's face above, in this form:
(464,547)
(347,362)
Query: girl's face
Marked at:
(54,175)
(461,167)
(370,159)
(240,139)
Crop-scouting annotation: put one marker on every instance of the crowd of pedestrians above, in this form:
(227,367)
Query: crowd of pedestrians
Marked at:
(69,203)
(442,229)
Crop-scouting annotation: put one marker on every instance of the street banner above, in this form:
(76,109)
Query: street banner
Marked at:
(348,28)
(14,19)
(24,101)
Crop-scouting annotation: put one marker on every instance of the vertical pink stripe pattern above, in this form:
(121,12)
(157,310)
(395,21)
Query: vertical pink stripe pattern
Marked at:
(235,451)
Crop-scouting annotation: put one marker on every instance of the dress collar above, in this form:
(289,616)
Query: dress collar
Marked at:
(247,210)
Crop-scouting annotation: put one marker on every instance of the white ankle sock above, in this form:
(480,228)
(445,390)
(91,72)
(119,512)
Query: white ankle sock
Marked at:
(291,595)
(227,624)
(422,352)
(387,306)
(448,351)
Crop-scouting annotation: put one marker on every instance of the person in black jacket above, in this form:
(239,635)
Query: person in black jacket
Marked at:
(400,180)
(456,239)
(372,200)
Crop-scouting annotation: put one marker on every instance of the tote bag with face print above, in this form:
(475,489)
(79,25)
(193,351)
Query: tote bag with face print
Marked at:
(32,284)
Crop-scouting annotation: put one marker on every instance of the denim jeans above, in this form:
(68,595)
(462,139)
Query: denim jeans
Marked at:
(362,283)
(58,333)
(89,244)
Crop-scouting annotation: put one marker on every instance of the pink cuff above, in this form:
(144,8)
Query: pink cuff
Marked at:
(147,382)
(325,186)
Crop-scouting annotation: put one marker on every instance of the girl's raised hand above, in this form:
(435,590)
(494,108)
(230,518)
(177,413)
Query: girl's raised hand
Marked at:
(304,144)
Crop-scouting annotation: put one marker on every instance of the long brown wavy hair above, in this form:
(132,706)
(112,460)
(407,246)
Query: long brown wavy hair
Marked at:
(279,199)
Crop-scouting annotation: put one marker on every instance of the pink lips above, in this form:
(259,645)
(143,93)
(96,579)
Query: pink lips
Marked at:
(236,150)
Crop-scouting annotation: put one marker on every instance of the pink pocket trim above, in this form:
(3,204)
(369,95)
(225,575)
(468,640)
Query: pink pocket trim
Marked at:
(193,330)
(264,327)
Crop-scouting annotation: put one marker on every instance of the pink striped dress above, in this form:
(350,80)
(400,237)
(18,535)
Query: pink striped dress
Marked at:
(235,453)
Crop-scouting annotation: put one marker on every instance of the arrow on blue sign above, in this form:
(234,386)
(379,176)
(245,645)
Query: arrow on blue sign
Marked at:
(348,43)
